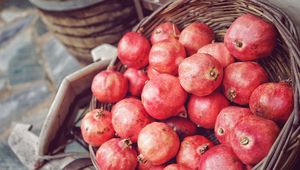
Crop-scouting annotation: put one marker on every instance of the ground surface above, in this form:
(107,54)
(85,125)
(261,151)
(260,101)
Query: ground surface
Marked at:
(32,65)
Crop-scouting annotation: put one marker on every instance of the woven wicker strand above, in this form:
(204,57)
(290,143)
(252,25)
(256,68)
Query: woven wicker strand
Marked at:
(281,66)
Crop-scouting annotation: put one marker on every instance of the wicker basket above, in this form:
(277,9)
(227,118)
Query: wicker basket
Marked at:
(282,65)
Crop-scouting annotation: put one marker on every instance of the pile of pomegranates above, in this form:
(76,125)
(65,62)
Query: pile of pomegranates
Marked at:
(181,83)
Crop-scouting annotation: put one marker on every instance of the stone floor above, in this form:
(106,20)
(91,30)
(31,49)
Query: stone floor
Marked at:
(32,66)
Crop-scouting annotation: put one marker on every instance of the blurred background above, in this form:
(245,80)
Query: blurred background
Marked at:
(38,48)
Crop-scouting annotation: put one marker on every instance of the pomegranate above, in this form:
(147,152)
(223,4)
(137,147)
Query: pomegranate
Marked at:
(204,110)
(145,165)
(227,119)
(250,37)
(252,138)
(182,126)
(133,50)
(158,143)
(200,74)
(240,79)
(151,72)
(136,79)
(220,157)
(195,36)
(165,56)
(273,101)
(176,167)
(219,52)
(96,127)
(109,86)
(116,154)
(163,96)
(163,32)
(129,117)
(191,150)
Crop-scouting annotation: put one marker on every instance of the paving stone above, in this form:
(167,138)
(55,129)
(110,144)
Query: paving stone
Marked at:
(12,14)
(3,82)
(9,160)
(40,27)
(11,49)
(10,30)
(21,101)
(23,66)
(58,61)
(23,4)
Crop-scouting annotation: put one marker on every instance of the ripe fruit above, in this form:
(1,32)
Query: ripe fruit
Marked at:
(252,138)
(146,165)
(219,52)
(273,101)
(176,167)
(165,56)
(227,119)
(116,154)
(195,36)
(129,117)
(163,96)
(191,150)
(158,143)
(182,126)
(250,37)
(136,79)
(220,157)
(240,79)
(204,110)
(200,74)
(109,86)
(96,127)
(151,72)
(163,32)
(133,50)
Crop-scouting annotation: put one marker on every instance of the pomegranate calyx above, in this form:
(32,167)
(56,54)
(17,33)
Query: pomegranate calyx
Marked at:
(238,44)
(213,73)
(127,142)
(220,131)
(231,93)
(100,113)
(203,148)
(244,141)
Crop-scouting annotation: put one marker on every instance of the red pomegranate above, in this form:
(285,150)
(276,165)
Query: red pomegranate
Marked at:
(191,150)
(273,101)
(129,117)
(204,110)
(176,167)
(250,37)
(109,86)
(136,79)
(252,138)
(133,50)
(227,119)
(163,96)
(165,56)
(116,154)
(220,157)
(195,36)
(96,127)
(219,52)
(164,31)
(151,72)
(182,126)
(240,79)
(200,74)
(158,143)
(146,165)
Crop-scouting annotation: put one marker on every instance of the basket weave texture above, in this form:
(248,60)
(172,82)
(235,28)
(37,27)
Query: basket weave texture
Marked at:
(282,65)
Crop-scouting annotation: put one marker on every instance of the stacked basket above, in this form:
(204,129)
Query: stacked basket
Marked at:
(283,64)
